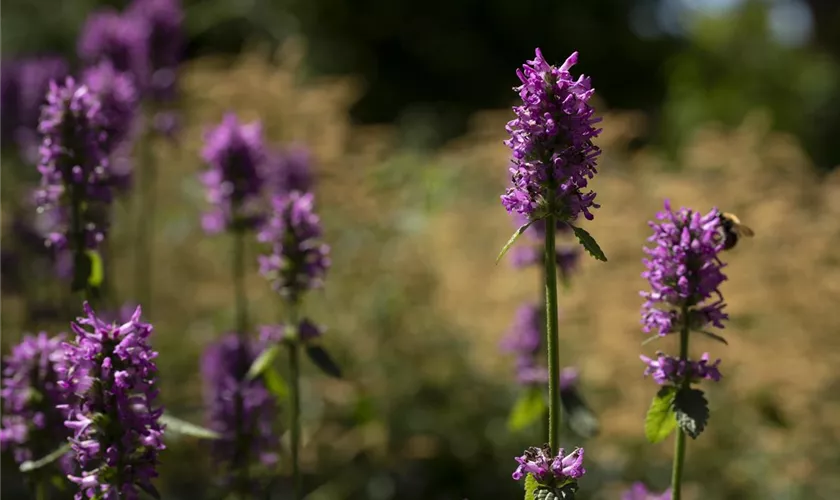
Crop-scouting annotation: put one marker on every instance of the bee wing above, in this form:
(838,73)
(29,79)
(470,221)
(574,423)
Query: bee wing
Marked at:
(745,231)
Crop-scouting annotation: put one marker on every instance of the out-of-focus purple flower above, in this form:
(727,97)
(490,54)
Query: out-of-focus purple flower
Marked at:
(167,123)
(569,377)
(32,425)
(668,369)
(235,154)
(553,157)
(640,492)
(289,170)
(223,367)
(165,42)
(118,101)
(299,260)
(548,469)
(307,331)
(120,39)
(525,335)
(684,272)
(73,165)
(110,378)
(523,256)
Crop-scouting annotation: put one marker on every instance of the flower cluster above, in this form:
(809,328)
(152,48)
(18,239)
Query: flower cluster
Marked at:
(164,42)
(241,411)
(684,272)
(110,378)
(299,260)
(640,492)
(73,165)
(548,469)
(553,157)
(121,39)
(32,425)
(289,170)
(668,369)
(118,101)
(235,154)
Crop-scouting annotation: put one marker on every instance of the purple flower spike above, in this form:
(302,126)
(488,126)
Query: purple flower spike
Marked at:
(553,157)
(73,165)
(107,35)
(668,369)
(118,101)
(110,378)
(299,260)
(289,170)
(223,366)
(32,425)
(640,492)
(550,470)
(164,44)
(235,154)
(684,272)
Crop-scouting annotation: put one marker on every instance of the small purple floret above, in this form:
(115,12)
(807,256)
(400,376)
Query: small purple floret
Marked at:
(548,469)
(668,369)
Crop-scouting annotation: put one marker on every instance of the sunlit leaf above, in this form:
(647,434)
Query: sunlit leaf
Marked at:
(660,421)
(275,383)
(97,269)
(513,238)
(31,465)
(263,361)
(177,426)
(528,409)
(531,486)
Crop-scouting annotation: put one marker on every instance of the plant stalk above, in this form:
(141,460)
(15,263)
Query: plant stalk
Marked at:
(294,368)
(146,174)
(241,454)
(555,407)
(679,445)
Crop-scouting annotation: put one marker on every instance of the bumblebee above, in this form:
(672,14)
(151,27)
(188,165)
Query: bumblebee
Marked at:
(733,230)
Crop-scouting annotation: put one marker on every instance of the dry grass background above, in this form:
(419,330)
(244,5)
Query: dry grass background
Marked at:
(414,238)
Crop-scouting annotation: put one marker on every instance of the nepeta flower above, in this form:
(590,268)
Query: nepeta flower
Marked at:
(110,377)
(234,153)
(32,425)
(223,367)
(553,157)
(73,165)
(164,43)
(118,101)
(684,272)
(299,260)
(289,170)
(668,369)
(120,39)
(548,469)
(640,492)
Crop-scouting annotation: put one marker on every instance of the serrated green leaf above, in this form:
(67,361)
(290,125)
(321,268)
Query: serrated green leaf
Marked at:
(531,486)
(589,243)
(528,409)
(322,359)
(714,336)
(97,269)
(275,383)
(512,240)
(691,411)
(263,361)
(660,421)
(30,465)
(178,426)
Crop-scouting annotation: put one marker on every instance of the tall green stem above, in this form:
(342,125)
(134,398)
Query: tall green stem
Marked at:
(555,407)
(40,490)
(294,411)
(146,174)
(241,458)
(679,446)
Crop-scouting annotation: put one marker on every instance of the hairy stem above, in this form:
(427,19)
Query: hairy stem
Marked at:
(679,446)
(552,336)
(294,368)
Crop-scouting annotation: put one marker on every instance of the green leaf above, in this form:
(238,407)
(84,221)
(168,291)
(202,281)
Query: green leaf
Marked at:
(660,421)
(97,269)
(651,339)
(691,410)
(714,336)
(589,243)
(263,361)
(513,238)
(275,383)
(178,426)
(149,489)
(531,486)
(31,465)
(528,409)
(323,360)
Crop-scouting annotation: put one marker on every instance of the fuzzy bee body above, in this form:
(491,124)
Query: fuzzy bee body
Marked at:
(733,230)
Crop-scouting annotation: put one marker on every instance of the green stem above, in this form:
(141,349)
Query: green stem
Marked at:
(241,458)
(145,173)
(552,336)
(40,490)
(679,445)
(294,367)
